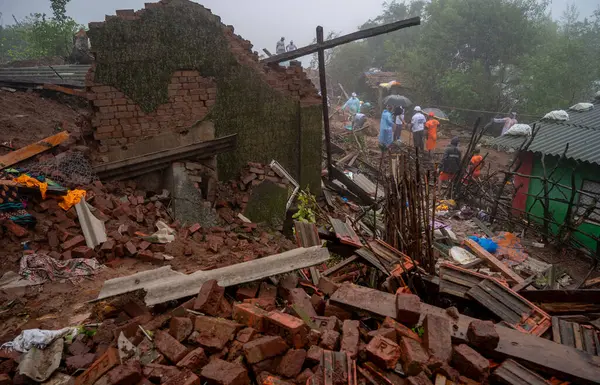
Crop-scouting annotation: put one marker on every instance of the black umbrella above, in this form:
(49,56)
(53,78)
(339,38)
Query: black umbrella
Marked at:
(397,100)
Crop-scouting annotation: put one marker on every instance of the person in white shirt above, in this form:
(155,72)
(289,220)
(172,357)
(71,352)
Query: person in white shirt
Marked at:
(291,46)
(280,47)
(509,121)
(418,128)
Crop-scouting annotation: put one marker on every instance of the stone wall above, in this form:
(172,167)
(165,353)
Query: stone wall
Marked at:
(174,65)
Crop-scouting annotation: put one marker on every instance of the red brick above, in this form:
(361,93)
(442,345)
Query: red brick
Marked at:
(293,329)
(246,335)
(408,308)
(209,298)
(158,373)
(470,363)
(83,252)
(313,355)
(318,303)
(292,362)
(246,292)
(150,257)
(388,333)
(180,328)
(250,316)
(326,323)
(80,361)
(73,242)
(330,339)
(437,337)
(53,239)
(129,328)
(5,379)
(301,301)
(213,333)
(383,352)
(401,330)
(8,366)
(106,362)
(267,292)
(263,348)
(483,335)
(108,246)
(414,358)
(219,372)
(339,312)
(195,360)
(350,338)
(185,377)
(266,378)
(169,346)
(130,249)
(144,245)
(420,379)
(327,286)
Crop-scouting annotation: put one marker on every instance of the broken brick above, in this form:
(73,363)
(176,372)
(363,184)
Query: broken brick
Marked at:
(401,330)
(158,373)
(318,303)
(327,286)
(53,239)
(384,332)
(180,328)
(83,252)
(420,379)
(304,376)
(266,378)
(263,348)
(213,333)
(78,347)
(269,365)
(149,256)
(301,302)
(350,338)
(15,229)
(314,336)
(314,354)
(130,249)
(483,335)
(185,377)
(129,373)
(470,363)
(267,293)
(194,360)
(326,323)
(246,292)
(414,357)
(144,245)
(292,329)
(80,361)
(219,372)
(408,308)
(108,246)
(246,335)
(334,310)
(78,240)
(209,298)
(250,315)
(437,337)
(169,346)
(292,362)
(195,227)
(383,352)
(330,339)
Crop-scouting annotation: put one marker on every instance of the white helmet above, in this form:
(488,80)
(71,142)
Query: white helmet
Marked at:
(418,109)
(354,94)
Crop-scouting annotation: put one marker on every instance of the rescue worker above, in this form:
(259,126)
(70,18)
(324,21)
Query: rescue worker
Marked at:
(418,128)
(386,128)
(450,161)
(476,164)
(280,47)
(291,46)
(399,123)
(509,121)
(353,106)
(432,126)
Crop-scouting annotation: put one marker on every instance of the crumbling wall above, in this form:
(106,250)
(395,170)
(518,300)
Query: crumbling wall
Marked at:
(173,64)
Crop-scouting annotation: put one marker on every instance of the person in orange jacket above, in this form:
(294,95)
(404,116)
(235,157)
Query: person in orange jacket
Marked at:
(431,126)
(476,163)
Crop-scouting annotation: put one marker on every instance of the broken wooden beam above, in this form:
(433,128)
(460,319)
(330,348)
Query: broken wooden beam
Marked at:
(513,373)
(337,267)
(530,350)
(565,301)
(164,284)
(33,149)
(493,262)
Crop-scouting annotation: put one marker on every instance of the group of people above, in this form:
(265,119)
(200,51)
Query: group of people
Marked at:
(282,48)
(423,129)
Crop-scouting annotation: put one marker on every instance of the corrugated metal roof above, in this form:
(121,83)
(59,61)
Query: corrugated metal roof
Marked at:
(66,75)
(581,132)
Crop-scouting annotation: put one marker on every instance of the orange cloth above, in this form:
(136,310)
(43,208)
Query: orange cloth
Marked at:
(445,176)
(432,126)
(476,162)
(72,198)
(32,182)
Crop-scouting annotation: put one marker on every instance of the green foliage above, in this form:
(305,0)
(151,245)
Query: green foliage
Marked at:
(420,330)
(307,207)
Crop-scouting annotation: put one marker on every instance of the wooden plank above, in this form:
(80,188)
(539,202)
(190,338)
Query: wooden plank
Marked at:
(483,227)
(335,268)
(528,281)
(500,309)
(514,302)
(65,90)
(591,282)
(587,335)
(513,373)
(369,32)
(566,333)
(554,359)
(32,149)
(597,343)
(556,330)
(493,262)
(577,336)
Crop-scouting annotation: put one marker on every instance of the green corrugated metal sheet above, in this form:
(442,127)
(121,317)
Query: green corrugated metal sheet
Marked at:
(581,131)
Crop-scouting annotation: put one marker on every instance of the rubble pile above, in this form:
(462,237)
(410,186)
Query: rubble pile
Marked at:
(267,334)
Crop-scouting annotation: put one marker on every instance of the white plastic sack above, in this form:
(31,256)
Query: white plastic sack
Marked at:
(36,338)
(462,256)
(557,115)
(519,129)
(582,107)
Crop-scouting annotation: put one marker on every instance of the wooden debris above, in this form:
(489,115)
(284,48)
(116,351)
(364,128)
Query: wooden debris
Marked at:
(32,149)
(493,262)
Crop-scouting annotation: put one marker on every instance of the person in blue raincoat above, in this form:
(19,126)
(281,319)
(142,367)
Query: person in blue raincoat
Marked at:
(353,105)
(386,128)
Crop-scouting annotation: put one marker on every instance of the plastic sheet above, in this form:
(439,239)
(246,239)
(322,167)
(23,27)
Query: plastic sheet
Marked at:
(37,338)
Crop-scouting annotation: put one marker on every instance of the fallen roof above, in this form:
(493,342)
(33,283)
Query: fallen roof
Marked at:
(581,131)
(66,75)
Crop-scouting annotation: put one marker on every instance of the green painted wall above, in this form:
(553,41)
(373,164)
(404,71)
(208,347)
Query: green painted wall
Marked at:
(139,56)
(584,171)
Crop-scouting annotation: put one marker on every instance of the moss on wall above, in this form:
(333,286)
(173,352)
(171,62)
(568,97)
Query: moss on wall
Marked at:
(139,56)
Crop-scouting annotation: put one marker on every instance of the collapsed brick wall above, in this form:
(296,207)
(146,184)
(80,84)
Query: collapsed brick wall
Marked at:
(142,57)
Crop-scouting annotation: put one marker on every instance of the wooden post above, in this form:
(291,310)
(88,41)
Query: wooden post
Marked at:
(323,82)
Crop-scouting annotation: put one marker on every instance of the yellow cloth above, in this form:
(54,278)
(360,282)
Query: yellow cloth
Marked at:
(32,182)
(72,198)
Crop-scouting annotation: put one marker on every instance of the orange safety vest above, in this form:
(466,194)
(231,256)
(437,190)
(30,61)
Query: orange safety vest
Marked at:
(476,162)
(432,126)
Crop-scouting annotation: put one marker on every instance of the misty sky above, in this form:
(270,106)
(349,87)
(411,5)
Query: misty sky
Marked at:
(254,19)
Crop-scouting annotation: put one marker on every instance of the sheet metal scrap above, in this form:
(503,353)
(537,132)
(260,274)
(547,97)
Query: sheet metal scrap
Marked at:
(345,233)
(512,308)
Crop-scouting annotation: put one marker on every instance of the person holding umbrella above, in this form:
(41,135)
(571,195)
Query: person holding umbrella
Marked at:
(386,128)
(418,128)
(432,126)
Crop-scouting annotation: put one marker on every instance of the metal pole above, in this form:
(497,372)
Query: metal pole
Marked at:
(323,82)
